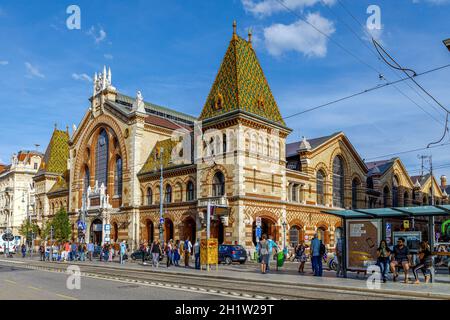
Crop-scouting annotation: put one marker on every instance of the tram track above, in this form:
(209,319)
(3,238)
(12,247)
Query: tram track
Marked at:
(241,289)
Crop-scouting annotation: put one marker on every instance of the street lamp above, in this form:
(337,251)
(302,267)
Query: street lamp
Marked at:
(284,224)
(447,43)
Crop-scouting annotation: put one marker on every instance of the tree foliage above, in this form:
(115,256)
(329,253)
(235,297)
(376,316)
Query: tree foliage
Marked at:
(27,227)
(61,227)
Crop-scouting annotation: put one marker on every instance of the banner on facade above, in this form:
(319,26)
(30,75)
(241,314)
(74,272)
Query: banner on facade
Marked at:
(209,252)
(362,239)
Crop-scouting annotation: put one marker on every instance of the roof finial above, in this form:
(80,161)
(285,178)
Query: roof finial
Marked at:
(67,129)
(250,36)
(234,30)
(56,126)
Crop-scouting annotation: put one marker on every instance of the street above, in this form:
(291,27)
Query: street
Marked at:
(17,283)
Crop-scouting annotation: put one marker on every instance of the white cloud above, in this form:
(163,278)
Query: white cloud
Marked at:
(263,8)
(97,36)
(4,62)
(82,77)
(300,36)
(108,56)
(33,71)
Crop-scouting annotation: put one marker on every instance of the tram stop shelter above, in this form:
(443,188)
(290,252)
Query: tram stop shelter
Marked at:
(363,229)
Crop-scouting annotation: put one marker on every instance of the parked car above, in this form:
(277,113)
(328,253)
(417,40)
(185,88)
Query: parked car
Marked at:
(137,255)
(232,253)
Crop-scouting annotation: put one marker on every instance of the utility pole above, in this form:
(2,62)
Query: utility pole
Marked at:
(161,198)
(432,235)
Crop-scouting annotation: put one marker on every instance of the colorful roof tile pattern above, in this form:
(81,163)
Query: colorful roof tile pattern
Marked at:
(57,153)
(241,85)
(153,160)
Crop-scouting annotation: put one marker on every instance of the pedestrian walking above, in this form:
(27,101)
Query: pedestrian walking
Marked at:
(187,251)
(143,251)
(300,254)
(23,249)
(272,246)
(383,256)
(123,249)
(168,251)
(42,252)
(339,257)
(176,253)
(425,263)
(263,253)
(90,249)
(197,254)
(73,251)
(317,254)
(156,251)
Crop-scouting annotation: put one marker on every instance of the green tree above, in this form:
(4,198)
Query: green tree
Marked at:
(61,226)
(27,228)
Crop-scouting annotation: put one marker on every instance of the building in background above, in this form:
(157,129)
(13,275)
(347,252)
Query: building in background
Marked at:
(234,156)
(17,189)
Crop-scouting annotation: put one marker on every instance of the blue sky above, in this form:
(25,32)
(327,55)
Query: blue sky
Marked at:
(171,51)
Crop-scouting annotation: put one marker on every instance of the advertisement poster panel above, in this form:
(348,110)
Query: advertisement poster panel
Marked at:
(363,237)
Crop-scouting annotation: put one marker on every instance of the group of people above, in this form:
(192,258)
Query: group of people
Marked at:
(400,257)
(387,259)
(266,247)
(174,252)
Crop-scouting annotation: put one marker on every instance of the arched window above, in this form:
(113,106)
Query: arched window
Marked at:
(168,198)
(405,199)
(369,182)
(87,177)
(385,196)
(190,191)
(320,189)
(224,143)
(395,191)
(355,186)
(149,196)
(338,182)
(101,167)
(118,177)
(218,185)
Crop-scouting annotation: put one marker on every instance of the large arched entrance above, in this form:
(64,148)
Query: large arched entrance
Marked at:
(217,231)
(268,227)
(168,230)
(96,232)
(189,229)
(149,231)
(296,235)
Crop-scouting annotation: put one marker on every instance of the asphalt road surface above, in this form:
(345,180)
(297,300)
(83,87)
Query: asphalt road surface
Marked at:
(25,284)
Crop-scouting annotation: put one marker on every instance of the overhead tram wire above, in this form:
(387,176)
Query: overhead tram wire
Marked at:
(351,54)
(397,66)
(364,43)
(365,91)
(407,151)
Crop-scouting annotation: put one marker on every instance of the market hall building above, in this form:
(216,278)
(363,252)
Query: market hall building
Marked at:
(233,156)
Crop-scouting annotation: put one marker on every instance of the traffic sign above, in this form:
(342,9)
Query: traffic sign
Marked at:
(258,221)
(161,220)
(258,232)
(8,237)
(107,239)
(107,227)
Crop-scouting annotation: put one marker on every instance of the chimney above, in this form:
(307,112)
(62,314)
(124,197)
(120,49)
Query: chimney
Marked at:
(443,181)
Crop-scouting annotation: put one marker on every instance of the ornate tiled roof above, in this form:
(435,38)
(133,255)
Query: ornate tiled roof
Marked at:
(241,85)
(57,153)
(153,160)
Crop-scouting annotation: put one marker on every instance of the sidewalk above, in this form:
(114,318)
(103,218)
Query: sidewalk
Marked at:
(287,275)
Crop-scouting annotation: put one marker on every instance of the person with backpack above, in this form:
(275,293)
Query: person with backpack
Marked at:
(317,252)
(272,246)
(263,252)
